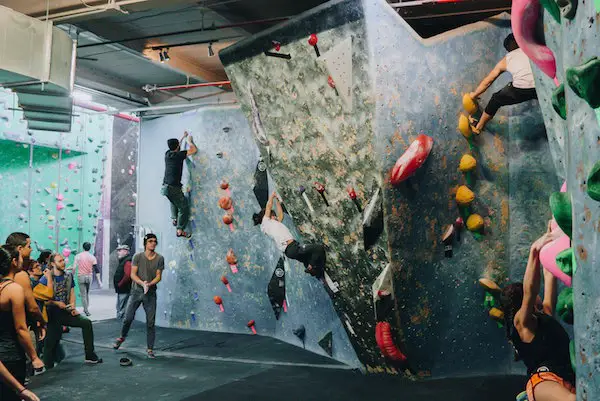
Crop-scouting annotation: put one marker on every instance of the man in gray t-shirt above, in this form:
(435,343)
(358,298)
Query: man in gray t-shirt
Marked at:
(146,273)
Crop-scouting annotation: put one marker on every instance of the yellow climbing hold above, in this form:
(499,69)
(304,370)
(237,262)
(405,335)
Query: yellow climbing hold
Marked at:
(50,218)
(54,185)
(464,127)
(488,284)
(464,196)
(475,222)
(467,163)
(469,104)
(497,314)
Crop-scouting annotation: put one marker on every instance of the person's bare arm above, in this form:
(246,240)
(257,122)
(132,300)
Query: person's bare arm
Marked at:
(491,77)
(134,276)
(279,210)
(156,279)
(17,299)
(13,383)
(550,291)
(33,309)
(269,207)
(192,149)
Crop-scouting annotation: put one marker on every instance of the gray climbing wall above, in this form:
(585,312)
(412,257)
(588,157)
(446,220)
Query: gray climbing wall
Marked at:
(195,267)
(400,86)
(573,43)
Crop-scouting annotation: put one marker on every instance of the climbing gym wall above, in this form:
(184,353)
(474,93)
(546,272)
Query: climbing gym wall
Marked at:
(52,182)
(572,117)
(335,97)
(229,276)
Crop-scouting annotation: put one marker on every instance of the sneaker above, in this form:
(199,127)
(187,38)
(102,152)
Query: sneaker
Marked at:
(151,354)
(39,371)
(93,359)
(118,342)
(184,234)
(174,221)
(88,314)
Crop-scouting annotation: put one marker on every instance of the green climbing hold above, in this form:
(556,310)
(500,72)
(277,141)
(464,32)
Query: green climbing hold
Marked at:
(559,103)
(568,8)
(593,182)
(560,205)
(566,262)
(552,8)
(585,81)
(572,354)
(564,305)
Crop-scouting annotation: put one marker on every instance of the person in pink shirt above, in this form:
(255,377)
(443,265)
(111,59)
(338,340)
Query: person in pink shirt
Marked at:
(85,263)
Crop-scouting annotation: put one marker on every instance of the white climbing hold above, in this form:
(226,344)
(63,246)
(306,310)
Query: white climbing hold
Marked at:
(172,264)
(51,217)
(24,203)
(21,216)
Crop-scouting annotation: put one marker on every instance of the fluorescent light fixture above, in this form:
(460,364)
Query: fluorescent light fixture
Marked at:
(81,96)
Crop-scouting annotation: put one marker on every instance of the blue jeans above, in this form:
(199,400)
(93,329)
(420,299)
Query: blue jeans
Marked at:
(121,305)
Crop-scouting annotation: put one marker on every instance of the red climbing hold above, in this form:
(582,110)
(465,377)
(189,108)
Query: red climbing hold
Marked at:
(331,82)
(250,325)
(313,40)
(276,45)
(385,342)
(224,184)
(412,159)
(231,259)
(226,283)
(227,219)
(219,302)
(225,202)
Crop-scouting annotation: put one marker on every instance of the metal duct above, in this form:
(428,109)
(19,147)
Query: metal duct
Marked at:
(37,61)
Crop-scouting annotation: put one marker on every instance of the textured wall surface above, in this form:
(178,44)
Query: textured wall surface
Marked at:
(574,42)
(35,173)
(401,86)
(195,267)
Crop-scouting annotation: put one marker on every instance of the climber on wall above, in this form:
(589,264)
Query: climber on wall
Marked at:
(538,338)
(174,158)
(312,256)
(521,89)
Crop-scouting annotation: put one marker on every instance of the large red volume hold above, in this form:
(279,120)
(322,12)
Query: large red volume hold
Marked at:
(412,159)
(385,342)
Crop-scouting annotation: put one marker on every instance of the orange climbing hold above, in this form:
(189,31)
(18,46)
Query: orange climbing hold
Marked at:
(231,259)
(225,202)
(464,196)
(227,219)
(464,126)
(469,104)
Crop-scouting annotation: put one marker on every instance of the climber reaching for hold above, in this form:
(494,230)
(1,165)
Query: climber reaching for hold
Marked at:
(174,158)
(521,89)
(538,338)
(311,255)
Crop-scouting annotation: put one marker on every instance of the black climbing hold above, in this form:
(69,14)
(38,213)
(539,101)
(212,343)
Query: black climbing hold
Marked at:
(584,80)
(278,55)
(220,155)
(276,288)
(261,185)
(327,343)
(568,8)
(300,332)
(373,220)
(552,8)
(559,103)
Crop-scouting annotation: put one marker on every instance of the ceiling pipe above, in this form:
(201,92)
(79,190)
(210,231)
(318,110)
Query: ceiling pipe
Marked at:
(104,110)
(177,106)
(110,5)
(149,88)
(210,28)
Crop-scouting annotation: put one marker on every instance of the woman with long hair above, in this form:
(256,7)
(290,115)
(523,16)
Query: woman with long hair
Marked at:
(538,338)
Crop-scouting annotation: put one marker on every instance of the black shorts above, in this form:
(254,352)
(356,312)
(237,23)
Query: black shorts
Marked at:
(313,257)
(507,96)
(18,370)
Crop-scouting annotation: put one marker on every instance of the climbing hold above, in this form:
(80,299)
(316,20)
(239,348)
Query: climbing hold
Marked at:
(572,355)
(276,45)
(225,202)
(60,197)
(226,283)
(354,198)
(24,203)
(593,182)
(276,288)
(568,8)
(327,343)
(585,81)
(475,222)
(331,83)
(224,184)
(447,240)
(217,300)
(321,190)
(72,166)
(496,314)
(21,216)
(458,225)
(489,285)
(193,316)
(60,206)
(469,104)
(66,252)
(559,102)
(564,305)
(560,205)
(302,191)
(464,196)
(411,159)
(313,40)
(464,127)
(227,219)
(251,325)
(50,218)
(300,332)
(467,163)
(54,185)
(382,291)
(385,342)
(566,262)
(552,8)
(232,260)
(523,394)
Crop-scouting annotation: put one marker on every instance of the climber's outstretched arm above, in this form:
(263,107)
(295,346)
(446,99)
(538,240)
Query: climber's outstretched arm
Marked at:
(489,80)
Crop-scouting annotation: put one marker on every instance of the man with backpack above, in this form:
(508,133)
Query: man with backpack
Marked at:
(122,279)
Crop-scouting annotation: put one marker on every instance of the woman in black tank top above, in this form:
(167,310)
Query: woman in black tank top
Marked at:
(538,338)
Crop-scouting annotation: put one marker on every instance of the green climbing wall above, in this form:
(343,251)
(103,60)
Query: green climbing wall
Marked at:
(52,182)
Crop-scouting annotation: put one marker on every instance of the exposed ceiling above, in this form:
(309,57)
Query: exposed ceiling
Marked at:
(120,41)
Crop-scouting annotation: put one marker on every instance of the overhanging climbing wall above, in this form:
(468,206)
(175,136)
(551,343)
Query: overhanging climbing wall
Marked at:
(574,41)
(198,269)
(312,128)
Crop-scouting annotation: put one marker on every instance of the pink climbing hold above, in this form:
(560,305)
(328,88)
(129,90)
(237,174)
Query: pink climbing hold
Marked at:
(524,16)
(72,166)
(60,197)
(66,252)
(60,206)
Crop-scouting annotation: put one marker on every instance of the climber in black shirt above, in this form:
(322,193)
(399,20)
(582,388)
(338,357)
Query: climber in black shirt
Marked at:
(174,158)
(539,339)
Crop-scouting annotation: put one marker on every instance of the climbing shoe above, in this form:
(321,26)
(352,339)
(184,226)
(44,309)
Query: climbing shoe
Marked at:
(118,342)
(93,359)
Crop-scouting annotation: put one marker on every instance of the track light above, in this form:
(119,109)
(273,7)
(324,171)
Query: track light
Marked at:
(210,50)
(161,57)
(166,55)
